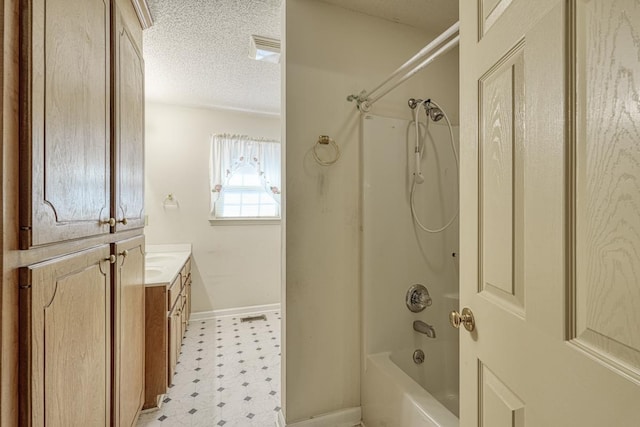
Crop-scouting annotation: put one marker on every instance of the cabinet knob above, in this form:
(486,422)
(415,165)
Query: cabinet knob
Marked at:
(111,259)
(110,222)
(124,253)
(122,221)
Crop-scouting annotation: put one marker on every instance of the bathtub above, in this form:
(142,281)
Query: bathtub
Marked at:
(391,398)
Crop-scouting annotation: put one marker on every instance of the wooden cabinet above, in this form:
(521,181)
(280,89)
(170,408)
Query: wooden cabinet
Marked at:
(128,134)
(168,308)
(65,359)
(82,155)
(128,331)
(65,109)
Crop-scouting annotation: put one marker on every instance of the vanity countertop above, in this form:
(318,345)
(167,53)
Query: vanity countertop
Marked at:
(164,262)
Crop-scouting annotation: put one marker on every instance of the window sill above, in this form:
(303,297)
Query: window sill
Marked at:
(244,221)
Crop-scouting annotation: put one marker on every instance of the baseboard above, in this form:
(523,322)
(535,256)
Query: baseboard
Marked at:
(238,311)
(343,418)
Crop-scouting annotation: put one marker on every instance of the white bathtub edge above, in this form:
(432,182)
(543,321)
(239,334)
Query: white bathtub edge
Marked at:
(349,417)
(396,388)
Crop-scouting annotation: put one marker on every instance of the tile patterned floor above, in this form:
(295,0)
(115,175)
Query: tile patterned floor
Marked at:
(228,375)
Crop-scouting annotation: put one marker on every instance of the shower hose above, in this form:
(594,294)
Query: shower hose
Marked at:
(417,173)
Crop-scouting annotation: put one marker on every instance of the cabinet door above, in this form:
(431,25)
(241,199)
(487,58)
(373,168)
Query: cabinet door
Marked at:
(174,342)
(128,147)
(188,290)
(183,314)
(129,326)
(65,343)
(65,130)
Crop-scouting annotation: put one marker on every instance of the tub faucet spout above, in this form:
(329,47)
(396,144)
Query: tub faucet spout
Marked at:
(424,328)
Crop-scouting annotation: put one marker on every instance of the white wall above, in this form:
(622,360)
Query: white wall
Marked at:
(233,265)
(331,53)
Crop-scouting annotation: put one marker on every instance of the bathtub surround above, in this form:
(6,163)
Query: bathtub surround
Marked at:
(397,257)
(233,265)
(329,53)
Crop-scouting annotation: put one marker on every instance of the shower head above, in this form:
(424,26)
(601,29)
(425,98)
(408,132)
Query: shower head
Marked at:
(432,111)
(435,114)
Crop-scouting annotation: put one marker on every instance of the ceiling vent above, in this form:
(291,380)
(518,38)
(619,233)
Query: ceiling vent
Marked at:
(264,49)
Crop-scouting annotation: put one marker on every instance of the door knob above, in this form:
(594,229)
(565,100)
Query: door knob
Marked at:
(465,319)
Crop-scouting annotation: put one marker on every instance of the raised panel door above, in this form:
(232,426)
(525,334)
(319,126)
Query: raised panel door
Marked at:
(65,348)
(549,213)
(128,147)
(129,331)
(65,130)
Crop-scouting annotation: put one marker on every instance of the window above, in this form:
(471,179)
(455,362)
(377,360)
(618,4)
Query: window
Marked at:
(245,178)
(244,196)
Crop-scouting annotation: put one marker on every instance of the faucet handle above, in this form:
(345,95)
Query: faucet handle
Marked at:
(418,298)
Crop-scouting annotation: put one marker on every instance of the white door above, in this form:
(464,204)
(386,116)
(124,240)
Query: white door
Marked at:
(550,212)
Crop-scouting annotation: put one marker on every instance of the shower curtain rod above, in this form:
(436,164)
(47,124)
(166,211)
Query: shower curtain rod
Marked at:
(366,99)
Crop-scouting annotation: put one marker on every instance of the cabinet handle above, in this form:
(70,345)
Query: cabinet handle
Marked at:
(110,222)
(122,221)
(111,259)
(124,253)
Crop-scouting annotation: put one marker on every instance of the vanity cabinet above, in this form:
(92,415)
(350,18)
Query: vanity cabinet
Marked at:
(65,340)
(167,312)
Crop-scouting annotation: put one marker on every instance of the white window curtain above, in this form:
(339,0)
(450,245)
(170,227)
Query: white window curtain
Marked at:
(230,152)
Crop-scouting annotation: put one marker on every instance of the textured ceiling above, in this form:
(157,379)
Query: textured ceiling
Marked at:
(433,16)
(196,53)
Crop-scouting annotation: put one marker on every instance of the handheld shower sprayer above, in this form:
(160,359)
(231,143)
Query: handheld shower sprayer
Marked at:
(433,113)
(418,178)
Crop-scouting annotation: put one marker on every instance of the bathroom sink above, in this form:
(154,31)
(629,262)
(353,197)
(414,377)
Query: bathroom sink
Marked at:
(164,266)
(158,257)
(152,274)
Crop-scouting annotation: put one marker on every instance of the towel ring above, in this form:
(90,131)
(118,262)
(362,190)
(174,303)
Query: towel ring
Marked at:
(326,140)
